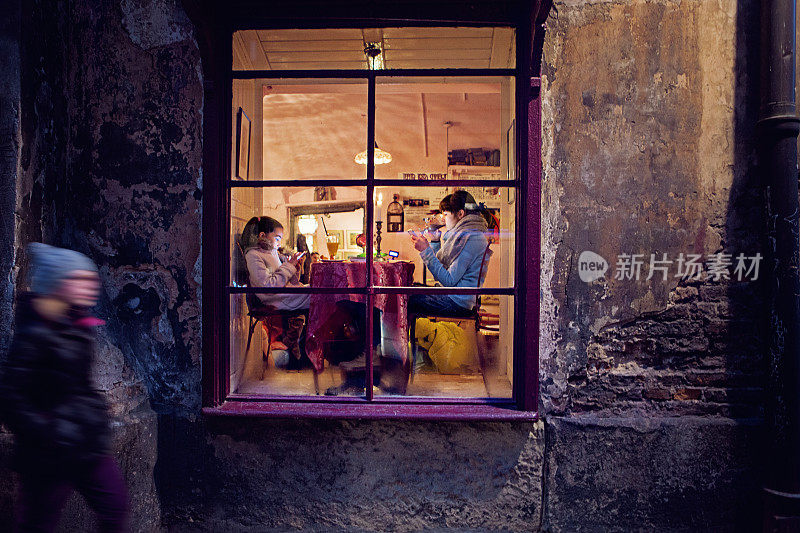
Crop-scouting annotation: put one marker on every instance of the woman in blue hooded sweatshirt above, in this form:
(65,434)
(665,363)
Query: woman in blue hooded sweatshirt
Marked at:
(456,257)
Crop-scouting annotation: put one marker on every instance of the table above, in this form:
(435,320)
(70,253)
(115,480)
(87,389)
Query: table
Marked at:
(348,275)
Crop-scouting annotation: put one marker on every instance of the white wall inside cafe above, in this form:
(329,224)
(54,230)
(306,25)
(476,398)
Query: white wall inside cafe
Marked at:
(245,203)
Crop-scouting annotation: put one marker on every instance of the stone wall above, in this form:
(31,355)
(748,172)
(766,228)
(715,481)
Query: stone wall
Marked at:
(652,389)
(9,147)
(642,157)
(111,107)
(650,394)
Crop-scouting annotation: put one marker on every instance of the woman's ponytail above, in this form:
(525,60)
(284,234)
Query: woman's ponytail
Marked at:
(463,200)
(249,236)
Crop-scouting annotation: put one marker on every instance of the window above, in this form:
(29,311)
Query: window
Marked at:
(349,138)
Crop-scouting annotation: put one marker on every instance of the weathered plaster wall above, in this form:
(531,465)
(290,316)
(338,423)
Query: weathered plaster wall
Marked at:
(9,155)
(642,145)
(358,476)
(648,115)
(136,148)
(109,165)
(650,473)
(135,104)
(41,161)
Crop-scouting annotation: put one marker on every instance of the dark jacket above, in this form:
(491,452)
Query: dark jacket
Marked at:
(48,400)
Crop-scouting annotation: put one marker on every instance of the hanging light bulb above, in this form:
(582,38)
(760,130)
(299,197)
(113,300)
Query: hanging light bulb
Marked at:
(307,224)
(381,157)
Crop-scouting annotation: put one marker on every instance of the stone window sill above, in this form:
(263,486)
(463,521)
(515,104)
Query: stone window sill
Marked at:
(376,410)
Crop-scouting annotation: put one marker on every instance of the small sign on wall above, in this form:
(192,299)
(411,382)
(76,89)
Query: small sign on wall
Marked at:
(423,176)
(416,210)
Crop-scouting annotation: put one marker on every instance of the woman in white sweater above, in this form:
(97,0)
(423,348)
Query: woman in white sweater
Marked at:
(267,269)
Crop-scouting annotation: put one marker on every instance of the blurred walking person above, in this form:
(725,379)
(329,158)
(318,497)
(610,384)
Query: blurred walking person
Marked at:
(48,401)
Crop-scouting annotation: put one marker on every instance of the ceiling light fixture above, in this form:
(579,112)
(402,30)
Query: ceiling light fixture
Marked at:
(381,157)
(374,55)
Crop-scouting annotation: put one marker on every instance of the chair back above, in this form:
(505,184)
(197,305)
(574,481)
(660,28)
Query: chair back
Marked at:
(487,254)
(484,264)
(241,276)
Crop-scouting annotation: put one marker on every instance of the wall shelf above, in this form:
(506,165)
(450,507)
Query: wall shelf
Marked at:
(473,172)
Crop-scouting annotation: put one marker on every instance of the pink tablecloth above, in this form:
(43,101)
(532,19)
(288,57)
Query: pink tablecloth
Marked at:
(345,275)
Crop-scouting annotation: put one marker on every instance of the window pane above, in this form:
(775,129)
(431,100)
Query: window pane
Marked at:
(456,354)
(324,220)
(460,257)
(299,344)
(373,48)
(299,129)
(444,128)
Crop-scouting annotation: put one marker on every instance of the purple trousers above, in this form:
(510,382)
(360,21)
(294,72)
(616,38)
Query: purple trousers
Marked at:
(42,496)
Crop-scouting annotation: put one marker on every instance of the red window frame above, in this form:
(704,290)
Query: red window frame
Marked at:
(216,400)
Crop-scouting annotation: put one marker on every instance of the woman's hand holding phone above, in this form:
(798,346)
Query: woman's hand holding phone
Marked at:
(420,242)
(295,259)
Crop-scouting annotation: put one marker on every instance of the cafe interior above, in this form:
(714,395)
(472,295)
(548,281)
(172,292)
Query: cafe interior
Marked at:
(301,138)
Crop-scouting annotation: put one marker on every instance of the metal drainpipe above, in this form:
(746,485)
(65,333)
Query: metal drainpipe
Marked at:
(778,130)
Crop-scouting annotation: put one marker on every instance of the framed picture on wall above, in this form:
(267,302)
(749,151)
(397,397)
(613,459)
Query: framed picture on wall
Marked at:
(350,242)
(242,145)
(322,194)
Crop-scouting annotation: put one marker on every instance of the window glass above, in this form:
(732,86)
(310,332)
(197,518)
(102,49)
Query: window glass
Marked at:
(299,344)
(373,48)
(295,136)
(323,221)
(298,129)
(478,246)
(444,128)
(451,353)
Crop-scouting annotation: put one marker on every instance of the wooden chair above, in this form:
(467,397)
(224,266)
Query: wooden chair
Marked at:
(473,314)
(257,312)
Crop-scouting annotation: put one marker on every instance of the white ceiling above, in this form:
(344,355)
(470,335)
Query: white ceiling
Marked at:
(403,48)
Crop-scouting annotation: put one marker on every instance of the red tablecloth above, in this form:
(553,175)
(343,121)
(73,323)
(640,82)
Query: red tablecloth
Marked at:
(394,307)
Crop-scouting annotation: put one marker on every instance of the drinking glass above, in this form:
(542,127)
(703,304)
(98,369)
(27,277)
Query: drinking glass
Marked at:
(333,245)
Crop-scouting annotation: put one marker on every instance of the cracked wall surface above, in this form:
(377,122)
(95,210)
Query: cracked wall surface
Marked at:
(9,157)
(135,158)
(649,151)
(649,111)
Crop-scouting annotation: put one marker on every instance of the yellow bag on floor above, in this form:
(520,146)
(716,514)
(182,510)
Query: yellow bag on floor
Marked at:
(449,346)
